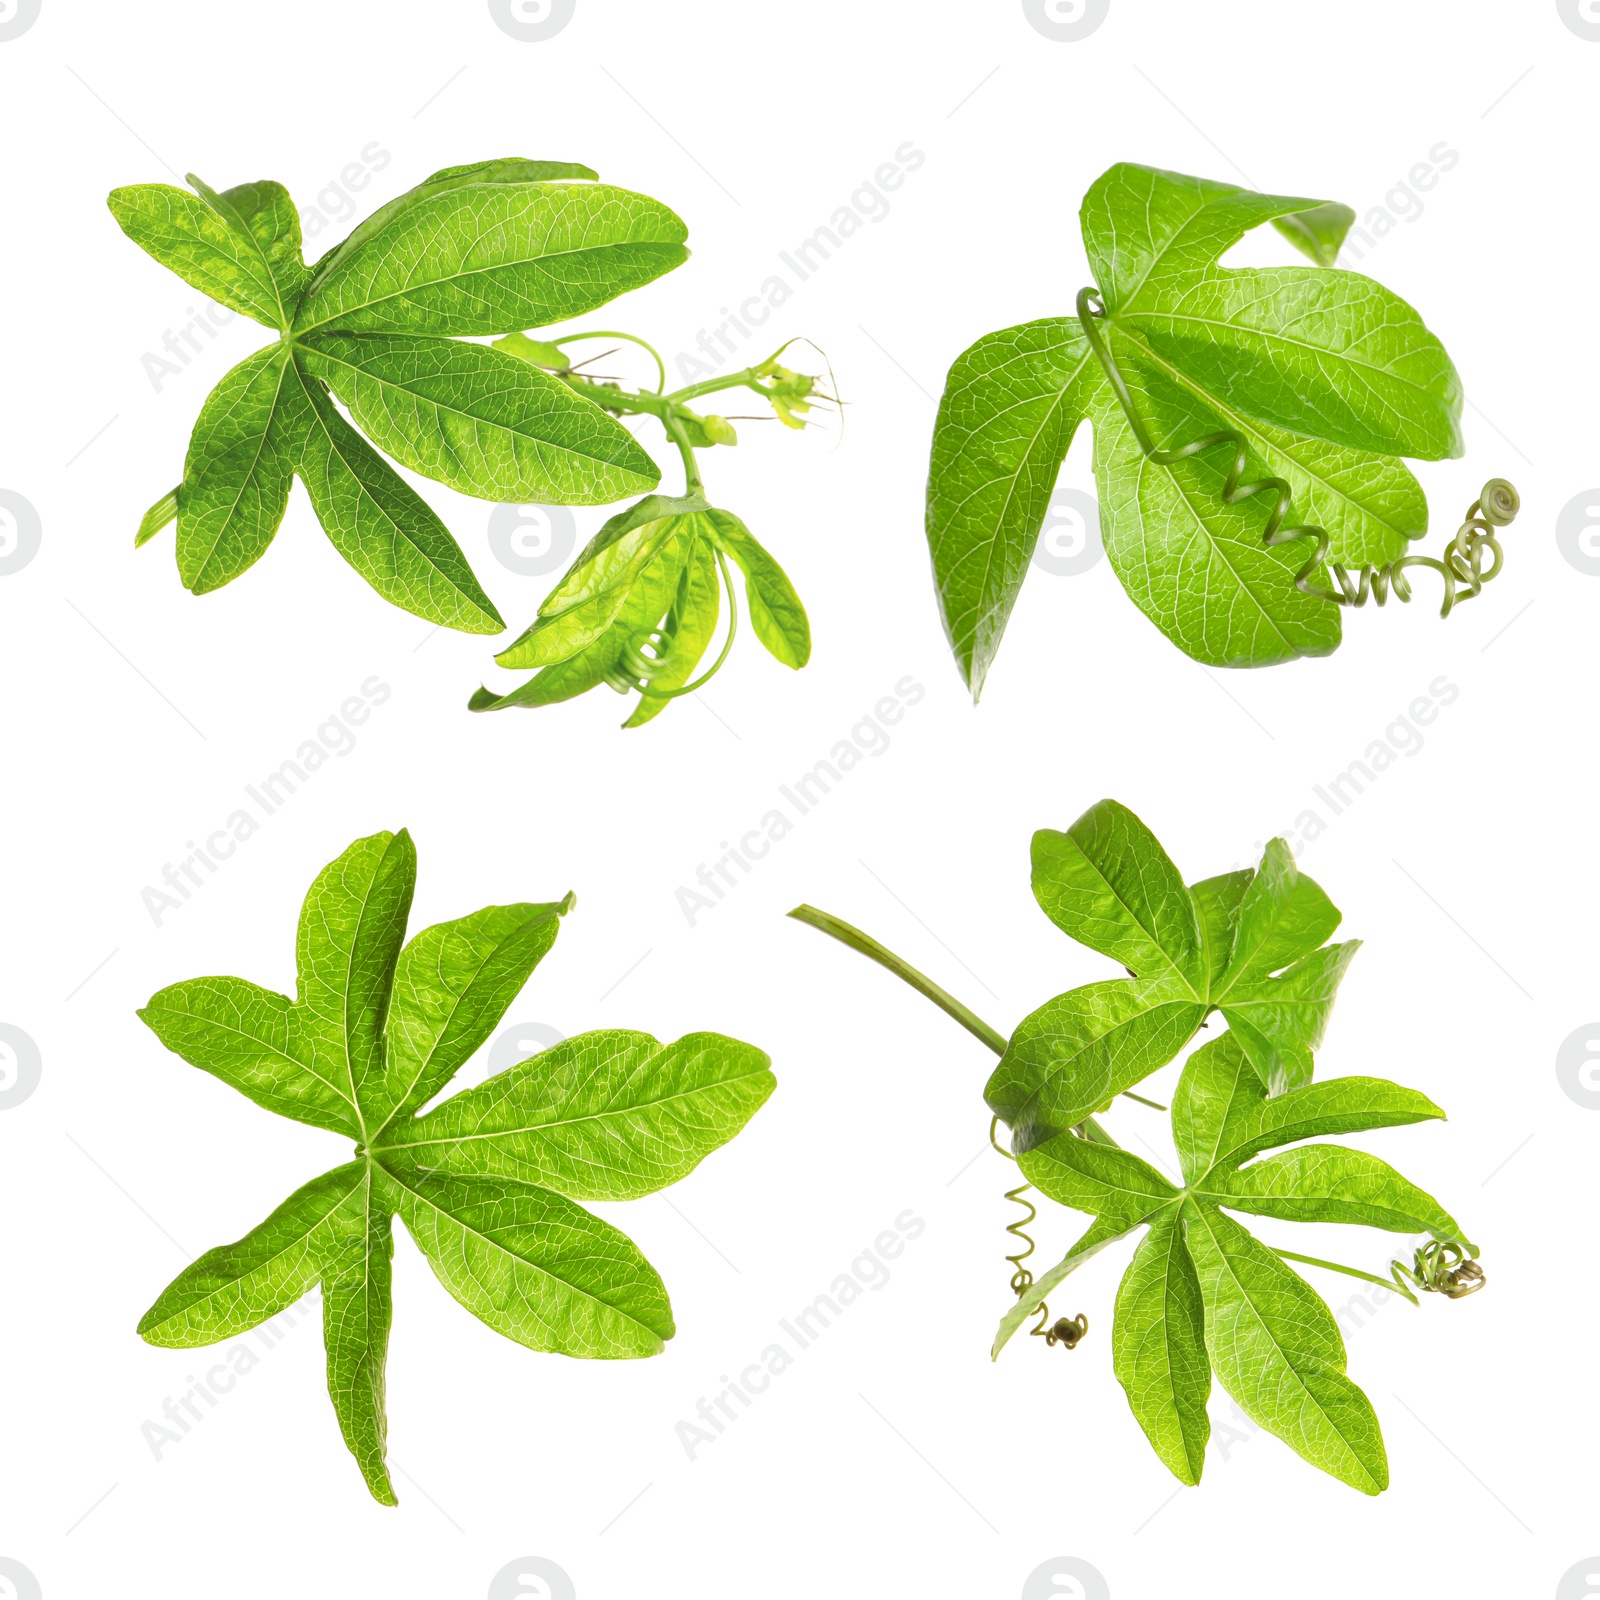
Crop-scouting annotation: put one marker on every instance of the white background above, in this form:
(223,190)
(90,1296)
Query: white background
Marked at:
(891,1457)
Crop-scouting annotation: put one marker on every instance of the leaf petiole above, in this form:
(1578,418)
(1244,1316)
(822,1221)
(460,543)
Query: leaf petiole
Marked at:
(864,944)
(165,510)
(1349,1272)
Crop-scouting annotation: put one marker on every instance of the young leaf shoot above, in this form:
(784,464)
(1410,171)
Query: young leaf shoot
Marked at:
(376,357)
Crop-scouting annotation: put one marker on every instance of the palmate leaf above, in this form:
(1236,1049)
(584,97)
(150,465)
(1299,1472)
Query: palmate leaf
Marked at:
(488,1184)
(1201,1295)
(1329,378)
(487,248)
(1247,945)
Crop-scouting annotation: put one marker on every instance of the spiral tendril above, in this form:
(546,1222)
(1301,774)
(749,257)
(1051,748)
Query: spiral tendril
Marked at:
(636,670)
(1461,567)
(1439,1267)
(1065,1330)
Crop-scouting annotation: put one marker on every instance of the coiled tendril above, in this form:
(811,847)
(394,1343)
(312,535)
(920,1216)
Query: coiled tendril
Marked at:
(1461,566)
(1439,1267)
(643,659)
(1065,1330)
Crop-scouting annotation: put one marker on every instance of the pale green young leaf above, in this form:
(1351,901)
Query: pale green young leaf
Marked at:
(776,615)
(237,1287)
(1276,1349)
(357,1309)
(482,422)
(495,258)
(1107,883)
(1079,1051)
(1158,1349)
(379,524)
(210,253)
(239,470)
(689,628)
(610,1115)
(642,566)
(532,1264)
(452,984)
(1010,407)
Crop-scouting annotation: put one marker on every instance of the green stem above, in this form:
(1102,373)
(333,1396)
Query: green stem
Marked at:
(1334,1266)
(864,944)
(691,467)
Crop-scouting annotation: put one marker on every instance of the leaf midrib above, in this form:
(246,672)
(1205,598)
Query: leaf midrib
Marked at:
(476,421)
(569,1122)
(1288,1365)
(461,277)
(521,1261)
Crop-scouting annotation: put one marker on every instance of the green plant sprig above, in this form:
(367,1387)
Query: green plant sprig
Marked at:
(1201,1295)
(384,326)
(1219,398)
(639,608)
(488,1182)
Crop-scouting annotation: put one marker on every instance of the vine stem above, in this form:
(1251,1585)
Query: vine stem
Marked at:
(864,944)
